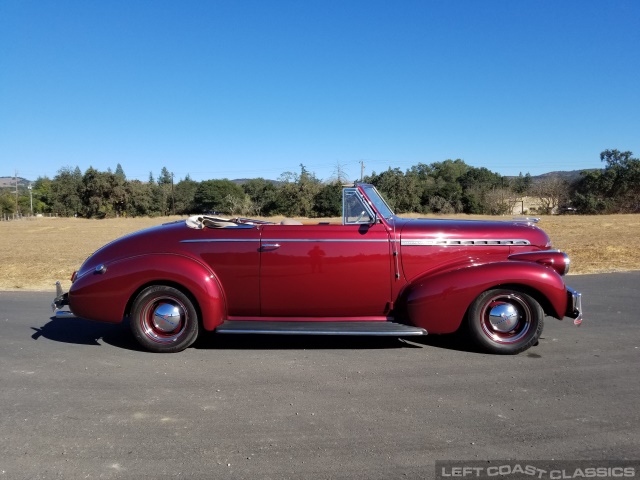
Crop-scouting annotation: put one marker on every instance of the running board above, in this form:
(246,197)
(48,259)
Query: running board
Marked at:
(389,329)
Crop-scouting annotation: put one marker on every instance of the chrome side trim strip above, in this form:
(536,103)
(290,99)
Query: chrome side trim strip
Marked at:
(324,240)
(453,242)
(404,242)
(216,240)
(290,240)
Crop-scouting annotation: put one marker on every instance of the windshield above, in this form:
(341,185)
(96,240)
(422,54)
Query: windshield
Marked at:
(378,202)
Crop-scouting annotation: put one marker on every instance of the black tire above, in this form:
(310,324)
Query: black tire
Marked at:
(505,321)
(164,319)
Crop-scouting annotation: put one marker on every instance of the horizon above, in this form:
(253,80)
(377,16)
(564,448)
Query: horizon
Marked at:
(254,89)
(31,181)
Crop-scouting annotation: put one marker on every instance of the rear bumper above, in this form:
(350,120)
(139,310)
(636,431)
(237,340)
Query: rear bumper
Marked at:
(60,302)
(574,306)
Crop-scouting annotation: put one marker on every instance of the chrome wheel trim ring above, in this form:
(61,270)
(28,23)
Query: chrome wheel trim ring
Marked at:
(506,318)
(164,319)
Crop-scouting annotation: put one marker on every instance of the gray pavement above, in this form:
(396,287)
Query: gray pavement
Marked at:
(80,400)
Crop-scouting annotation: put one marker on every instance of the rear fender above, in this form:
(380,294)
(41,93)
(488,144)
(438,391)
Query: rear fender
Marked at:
(439,303)
(104,295)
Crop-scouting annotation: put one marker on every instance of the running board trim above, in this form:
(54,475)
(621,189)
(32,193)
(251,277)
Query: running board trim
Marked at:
(389,329)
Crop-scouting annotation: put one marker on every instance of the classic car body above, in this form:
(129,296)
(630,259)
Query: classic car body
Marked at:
(373,273)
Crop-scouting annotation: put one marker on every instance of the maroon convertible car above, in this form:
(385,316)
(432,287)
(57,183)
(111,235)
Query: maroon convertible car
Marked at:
(371,274)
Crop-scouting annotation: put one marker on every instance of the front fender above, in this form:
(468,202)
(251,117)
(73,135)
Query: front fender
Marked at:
(439,302)
(104,295)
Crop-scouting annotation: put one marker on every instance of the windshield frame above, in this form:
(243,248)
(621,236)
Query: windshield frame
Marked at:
(377,201)
(363,202)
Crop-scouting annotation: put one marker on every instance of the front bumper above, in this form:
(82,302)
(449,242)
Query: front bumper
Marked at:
(60,302)
(574,306)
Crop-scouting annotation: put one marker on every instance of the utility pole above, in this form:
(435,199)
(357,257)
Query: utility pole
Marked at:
(173,199)
(361,170)
(30,187)
(16,179)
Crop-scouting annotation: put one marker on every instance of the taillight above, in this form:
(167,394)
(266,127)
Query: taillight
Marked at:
(74,275)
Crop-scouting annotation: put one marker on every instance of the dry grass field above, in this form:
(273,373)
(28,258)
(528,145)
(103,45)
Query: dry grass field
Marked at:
(36,252)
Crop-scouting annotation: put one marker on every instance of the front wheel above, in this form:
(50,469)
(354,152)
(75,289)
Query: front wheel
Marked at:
(164,319)
(505,321)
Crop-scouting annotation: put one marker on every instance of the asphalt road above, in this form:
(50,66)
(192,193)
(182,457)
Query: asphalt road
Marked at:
(80,400)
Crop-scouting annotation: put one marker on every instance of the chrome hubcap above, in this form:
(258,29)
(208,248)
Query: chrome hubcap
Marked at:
(166,317)
(503,317)
(506,318)
(163,320)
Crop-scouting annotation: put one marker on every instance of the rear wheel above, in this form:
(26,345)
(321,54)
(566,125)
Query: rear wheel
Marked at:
(505,321)
(164,319)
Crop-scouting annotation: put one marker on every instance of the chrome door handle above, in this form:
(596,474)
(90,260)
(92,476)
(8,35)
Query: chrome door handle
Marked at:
(269,246)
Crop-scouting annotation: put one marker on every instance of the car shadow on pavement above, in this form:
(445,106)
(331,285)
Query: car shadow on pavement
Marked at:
(452,341)
(213,341)
(86,332)
(458,342)
(327,342)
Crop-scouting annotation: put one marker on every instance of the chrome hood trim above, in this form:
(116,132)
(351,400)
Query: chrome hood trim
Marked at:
(463,242)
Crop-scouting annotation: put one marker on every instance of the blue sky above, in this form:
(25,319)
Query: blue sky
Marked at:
(243,88)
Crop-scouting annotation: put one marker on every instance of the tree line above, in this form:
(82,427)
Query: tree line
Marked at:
(446,187)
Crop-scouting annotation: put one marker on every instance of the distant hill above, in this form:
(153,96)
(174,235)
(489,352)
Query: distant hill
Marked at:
(568,175)
(7,182)
(241,181)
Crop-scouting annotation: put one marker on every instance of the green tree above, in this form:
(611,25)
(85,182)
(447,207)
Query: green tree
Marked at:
(120,172)
(615,189)
(483,191)
(328,201)
(165,178)
(521,184)
(140,197)
(449,171)
(66,192)
(402,191)
(42,195)
(96,194)
(157,198)
(447,186)
(117,194)
(163,194)
(296,194)
(24,203)
(7,203)
(211,195)
(625,188)
(185,192)
(263,195)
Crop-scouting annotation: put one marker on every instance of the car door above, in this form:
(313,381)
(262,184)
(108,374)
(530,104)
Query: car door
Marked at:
(325,271)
